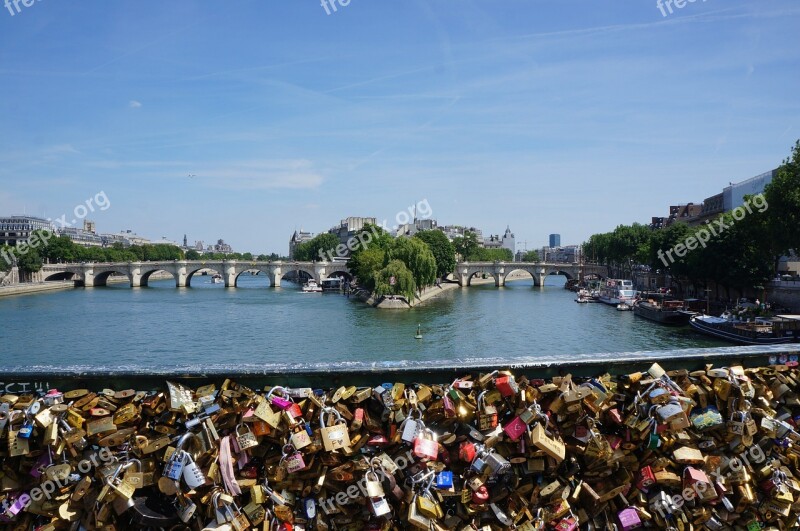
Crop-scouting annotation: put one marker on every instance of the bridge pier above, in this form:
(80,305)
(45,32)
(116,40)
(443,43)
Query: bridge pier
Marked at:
(499,274)
(181,276)
(229,273)
(276,277)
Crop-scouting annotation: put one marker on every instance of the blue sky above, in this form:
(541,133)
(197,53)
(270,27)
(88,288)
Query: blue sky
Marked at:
(549,116)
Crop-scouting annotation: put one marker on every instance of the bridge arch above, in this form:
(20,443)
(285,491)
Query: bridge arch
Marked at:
(145,278)
(486,272)
(341,274)
(532,274)
(290,268)
(62,275)
(101,278)
(190,274)
(267,272)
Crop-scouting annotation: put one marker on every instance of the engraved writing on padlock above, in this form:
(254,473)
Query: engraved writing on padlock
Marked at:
(245,438)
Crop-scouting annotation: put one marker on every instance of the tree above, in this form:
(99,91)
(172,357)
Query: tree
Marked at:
(365,265)
(442,249)
(466,245)
(417,257)
(531,256)
(30,261)
(395,279)
(782,205)
(192,255)
(322,246)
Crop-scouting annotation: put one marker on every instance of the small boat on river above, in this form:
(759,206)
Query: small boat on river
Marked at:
(664,312)
(761,331)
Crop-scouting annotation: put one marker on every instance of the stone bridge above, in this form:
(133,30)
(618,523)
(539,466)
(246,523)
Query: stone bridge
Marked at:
(466,271)
(139,273)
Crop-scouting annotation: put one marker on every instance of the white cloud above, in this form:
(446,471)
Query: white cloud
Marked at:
(133,104)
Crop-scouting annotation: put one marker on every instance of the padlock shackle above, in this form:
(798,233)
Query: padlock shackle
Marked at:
(185,439)
(330,411)
(284,390)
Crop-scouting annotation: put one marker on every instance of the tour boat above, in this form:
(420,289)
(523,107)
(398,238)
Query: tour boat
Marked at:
(312,287)
(664,312)
(615,292)
(772,331)
(216,279)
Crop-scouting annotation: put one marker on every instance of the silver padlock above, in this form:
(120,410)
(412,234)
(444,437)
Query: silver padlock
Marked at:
(192,474)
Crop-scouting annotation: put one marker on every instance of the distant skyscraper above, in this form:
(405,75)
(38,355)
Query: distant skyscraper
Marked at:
(555,240)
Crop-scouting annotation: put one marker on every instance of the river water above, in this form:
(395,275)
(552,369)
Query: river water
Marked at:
(165,326)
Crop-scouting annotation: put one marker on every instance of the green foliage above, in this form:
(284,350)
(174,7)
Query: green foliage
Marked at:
(502,254)
(403,280)
(531,256)
(322,245)
(417,257)
(783,199)
(466,246)
(192,255)
(442,249)
(365,265)
(6,257)
(30,261)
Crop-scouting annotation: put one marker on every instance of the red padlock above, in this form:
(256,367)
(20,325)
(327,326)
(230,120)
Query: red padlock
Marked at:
(507,386)
(466,452)
(480,496)
(645,478)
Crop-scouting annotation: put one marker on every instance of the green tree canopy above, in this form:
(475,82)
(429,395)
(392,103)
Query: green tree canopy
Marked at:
(403,279)
(531,256)
(322,245)
(466,246)
(782,197)
(442,249)
(417,257)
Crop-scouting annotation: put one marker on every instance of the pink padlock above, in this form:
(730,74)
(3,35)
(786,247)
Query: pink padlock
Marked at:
(567,524)
(277,401)
(515,429)
(629,519)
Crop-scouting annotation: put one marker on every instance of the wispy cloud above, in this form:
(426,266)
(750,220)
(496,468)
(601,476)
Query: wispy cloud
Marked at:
(133,104)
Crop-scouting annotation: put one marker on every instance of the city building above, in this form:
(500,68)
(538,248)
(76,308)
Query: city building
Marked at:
(350,226)
(298,237)
(506,242)
(410,229)
(569,254)
(457,231)
(220,247)
(17,229)
(734,193)
(85,237)
(555,240)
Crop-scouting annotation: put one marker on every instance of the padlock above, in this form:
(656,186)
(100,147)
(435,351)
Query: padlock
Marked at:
(335,436)
(480,495)
(192,475)
(415,518)
(300,437)
(629,519)
(293,459)
(379,507)
(173,468)
(281,403)
(487,414)
(373,484)
(507,385)
(245,438)
(425,446)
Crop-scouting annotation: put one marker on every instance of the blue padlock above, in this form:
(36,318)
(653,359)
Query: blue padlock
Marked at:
(174,467)
(444,480)
(26,430)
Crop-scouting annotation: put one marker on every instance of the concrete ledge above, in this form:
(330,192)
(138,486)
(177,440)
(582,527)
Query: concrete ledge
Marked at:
(39,287)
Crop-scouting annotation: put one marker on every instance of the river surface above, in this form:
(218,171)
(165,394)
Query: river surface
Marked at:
(164,326)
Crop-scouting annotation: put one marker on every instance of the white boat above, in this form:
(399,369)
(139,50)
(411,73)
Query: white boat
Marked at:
(623,307)
(312,287)
(216,279)
(616,291)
